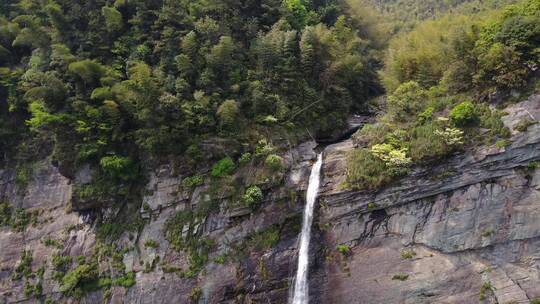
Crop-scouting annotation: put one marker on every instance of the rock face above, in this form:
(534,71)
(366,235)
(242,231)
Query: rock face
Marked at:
(464,231)
(440,234)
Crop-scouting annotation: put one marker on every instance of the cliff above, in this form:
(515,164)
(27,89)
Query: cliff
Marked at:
(464,229)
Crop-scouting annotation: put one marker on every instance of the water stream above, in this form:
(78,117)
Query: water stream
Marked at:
(301,286)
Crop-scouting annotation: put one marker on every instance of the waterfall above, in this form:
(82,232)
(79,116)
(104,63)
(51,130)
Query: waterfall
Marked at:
(301,286)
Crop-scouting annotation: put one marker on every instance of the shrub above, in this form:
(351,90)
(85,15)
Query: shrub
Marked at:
(452,137)
(22,218)
(366,171)
(5,214)
(406,101)
(23,175)
(344,249)
(464,115)
(523,125)
(195,294)
(264,239)
(24,268)
(264,148)
(252,196)
(426,144)
(193,181)
(425,116)
(396,160)
(533,165)
(274,162)
(501,143)
(407,254)
(118,167)
(151,244)
(223,167)
(483,289)
(371,134)
(109,231)
(33,290)
(76,278)
(400,277)
(221,259)
(245,158)
(126,280)
(61,263)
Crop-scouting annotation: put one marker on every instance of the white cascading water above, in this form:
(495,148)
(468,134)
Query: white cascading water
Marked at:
(301,286)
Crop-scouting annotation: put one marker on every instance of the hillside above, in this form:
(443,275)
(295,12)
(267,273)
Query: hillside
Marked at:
(161,151)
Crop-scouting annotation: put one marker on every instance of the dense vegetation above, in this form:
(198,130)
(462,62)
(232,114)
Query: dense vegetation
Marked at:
(111,82)
(403,15)
(444,75)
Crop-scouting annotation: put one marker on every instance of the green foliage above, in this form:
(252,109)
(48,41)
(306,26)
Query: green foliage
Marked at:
(524,124)
(274,162)
(188,241)
(78,277)
(486,287)
(400,277)
(298,11)
(61,263)
(109,231)
(89,71)
(264,239)
(464,115)
(407,254)
(5,214)
(118,167)
(193,181)
(126,280)
(24,267)
(486,53)
(344,249)
(407,100)
(371,134)
(53,243)
(228,113)
(221,259)
(252,196)
(223,167)
(195,294)
(245,158)
(21,218)
(533,165)
(113,18)
(366,171)
(429,143)
(395,159)
(33,290)
(501,143)
(151,243)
